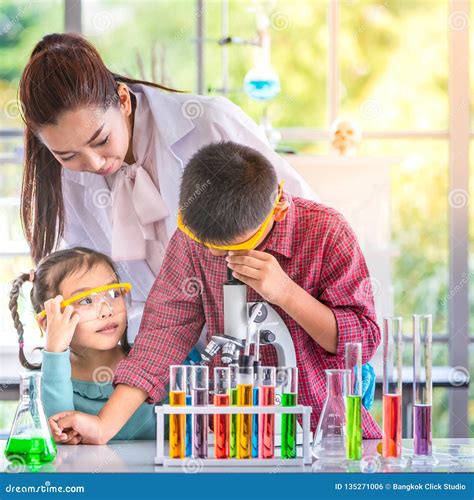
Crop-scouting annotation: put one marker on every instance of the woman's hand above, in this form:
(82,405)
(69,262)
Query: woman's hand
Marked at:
(87,428)
(60,325)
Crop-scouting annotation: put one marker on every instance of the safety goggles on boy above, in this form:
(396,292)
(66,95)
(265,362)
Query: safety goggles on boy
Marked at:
(89,304)
(249,244)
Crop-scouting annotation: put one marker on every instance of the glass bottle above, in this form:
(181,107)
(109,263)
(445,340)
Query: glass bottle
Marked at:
(330,439)
(262,82)
(30,443)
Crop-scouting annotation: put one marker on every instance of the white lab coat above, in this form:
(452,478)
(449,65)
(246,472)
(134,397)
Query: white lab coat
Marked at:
(184,123)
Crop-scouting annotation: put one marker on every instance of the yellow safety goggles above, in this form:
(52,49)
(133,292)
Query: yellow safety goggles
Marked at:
(247,244)
(87,304)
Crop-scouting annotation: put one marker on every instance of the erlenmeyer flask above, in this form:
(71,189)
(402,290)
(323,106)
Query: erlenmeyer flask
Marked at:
(30,443)
(329,442)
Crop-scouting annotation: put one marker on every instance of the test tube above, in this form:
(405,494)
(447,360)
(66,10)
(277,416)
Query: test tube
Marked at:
(266,422)
(234,376)
(189,425)
(200,397)
(244,421)
(354,401)
(287,377)
(221,422)
(255,433)
(392,387)
(177,425)
(422,384)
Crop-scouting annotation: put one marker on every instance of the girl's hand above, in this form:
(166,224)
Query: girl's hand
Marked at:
(60,325)
(87,427)
(70,437)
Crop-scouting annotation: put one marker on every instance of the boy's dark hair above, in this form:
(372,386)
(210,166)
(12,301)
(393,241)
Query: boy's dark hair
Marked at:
(48,276)
(227,190)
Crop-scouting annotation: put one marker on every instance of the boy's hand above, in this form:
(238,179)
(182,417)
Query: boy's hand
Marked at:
(262,272)
(60,325)
(88,428)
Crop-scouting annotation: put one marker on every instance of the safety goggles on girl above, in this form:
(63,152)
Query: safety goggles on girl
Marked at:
(89,304)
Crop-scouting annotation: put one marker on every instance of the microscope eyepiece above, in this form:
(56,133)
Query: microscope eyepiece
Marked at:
(232,280)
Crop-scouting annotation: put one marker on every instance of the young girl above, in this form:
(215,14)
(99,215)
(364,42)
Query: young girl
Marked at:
(84,340)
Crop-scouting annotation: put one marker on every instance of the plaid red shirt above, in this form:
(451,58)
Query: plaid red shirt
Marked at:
(316,247)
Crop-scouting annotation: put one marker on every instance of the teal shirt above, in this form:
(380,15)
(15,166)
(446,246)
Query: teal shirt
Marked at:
(61,393)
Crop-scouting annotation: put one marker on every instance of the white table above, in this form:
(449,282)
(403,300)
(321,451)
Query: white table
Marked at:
(454,455)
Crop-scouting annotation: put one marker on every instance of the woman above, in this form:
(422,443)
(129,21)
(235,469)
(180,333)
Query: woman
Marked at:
(104,155)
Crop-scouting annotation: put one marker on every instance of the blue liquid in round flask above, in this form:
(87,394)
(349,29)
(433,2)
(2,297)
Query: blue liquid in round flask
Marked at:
(262,83)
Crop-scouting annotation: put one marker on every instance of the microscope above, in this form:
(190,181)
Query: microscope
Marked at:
(248,323)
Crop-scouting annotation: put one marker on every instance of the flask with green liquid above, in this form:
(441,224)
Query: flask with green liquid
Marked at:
(30,443)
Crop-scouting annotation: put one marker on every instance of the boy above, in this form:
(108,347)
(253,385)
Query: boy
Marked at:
(299,255)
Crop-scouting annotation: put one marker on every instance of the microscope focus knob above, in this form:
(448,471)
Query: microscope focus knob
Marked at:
(267,337)
(262,315)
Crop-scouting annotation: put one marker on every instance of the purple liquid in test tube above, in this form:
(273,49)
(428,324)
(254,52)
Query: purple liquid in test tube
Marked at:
(200,397)
(422,429)
(422,385)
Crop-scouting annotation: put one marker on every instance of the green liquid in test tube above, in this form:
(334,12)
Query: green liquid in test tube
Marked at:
(287,377)
(234,372)
(354,428)
(354,402)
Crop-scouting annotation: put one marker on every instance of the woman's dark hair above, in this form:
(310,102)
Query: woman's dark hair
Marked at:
(48,276)
(64,72)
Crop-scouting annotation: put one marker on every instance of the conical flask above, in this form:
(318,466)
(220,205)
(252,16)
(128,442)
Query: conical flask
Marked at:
(329,441)
(30,443)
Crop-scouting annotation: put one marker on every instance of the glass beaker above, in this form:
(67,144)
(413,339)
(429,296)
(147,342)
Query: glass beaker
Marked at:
(30,443)
(330,440)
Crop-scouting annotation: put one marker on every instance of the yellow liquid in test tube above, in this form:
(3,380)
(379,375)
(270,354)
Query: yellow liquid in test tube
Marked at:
(244,422)
(177,426)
